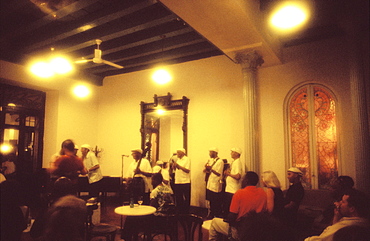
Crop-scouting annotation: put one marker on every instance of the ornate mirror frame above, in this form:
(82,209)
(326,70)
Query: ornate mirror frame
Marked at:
(165,103)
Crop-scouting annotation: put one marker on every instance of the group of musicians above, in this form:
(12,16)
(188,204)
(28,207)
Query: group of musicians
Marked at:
(222,178)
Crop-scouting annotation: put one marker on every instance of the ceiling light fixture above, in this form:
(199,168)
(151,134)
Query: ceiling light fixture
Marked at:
(289,16)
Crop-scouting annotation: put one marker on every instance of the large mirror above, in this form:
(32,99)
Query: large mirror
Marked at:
(163,127)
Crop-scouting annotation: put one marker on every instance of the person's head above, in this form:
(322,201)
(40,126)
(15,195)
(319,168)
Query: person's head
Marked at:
(213,152)
(269,179)
(343,182)
(66,219)
(235,153)
(180,152)
(63,186)
(157,179)
(85,148)
(294,175)
(137,153)
(251,179)
(354,203)
(68,147)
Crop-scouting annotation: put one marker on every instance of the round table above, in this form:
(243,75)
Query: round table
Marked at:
(135,213)
(137,210)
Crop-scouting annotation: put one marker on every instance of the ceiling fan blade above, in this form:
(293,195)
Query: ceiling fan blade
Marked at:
(112,64)
(81,61)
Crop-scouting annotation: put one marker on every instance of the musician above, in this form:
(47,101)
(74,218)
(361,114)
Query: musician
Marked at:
(233,177)
(181,186)
(138,176)
(214,170)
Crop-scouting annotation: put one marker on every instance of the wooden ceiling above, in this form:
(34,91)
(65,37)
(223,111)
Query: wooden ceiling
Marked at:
(136,34)
(140,34)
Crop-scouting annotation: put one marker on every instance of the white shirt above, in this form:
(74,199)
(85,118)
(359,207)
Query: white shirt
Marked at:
(145,167)
(182,177)
(90,161)
(233,185)
(328,233)
(214,183)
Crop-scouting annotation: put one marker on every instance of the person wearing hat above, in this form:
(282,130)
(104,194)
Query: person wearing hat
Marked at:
(92,166)
(293,196)
(181,186)
(138,176)
(233,178)
(214,168)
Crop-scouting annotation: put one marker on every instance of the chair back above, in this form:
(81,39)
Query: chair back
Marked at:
(191,224)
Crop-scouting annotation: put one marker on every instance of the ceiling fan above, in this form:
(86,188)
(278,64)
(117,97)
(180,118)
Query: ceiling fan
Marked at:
(97,57)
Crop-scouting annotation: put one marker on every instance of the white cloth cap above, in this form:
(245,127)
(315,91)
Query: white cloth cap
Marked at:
(182,150)
(137,150)
(87,146)
(215,149)
(237,150)
(295,170)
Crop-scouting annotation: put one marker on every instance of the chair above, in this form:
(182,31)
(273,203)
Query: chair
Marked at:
(191,224)
(166,225)
(99,230)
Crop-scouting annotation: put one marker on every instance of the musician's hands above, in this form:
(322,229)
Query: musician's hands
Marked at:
(227,173)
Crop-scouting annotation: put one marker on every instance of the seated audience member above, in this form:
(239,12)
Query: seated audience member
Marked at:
(352,210)
(62,187)
(293,196)
(66,220)
(264,227)
(12,218)
(161,196)
(341,185)
(246,200)
(8,166)
(275,197)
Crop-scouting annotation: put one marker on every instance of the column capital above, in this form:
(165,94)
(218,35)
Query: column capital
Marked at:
(249,60)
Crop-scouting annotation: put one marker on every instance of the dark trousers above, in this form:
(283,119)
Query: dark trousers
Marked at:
(227,197)
(182,197)
(215,202)
(94,189)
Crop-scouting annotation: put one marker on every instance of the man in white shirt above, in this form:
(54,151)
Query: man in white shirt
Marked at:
(352,210)
(92,166)
(138,176)
(182,181)
(214,167)
(233,177)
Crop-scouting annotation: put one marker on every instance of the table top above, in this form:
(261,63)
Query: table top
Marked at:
(137,210)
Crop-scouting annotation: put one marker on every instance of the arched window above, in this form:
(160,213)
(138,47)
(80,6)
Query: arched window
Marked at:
(313,144)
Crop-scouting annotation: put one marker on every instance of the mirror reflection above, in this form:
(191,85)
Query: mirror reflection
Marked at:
(164,127)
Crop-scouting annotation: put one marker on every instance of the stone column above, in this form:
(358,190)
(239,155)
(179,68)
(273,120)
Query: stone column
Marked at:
(250,61)
(357,33)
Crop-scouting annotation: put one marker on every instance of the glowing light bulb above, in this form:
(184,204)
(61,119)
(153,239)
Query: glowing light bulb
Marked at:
(60,65)
(161,76)
(289,17)
(160,111)
(5,148)
(81,91)
(42,69)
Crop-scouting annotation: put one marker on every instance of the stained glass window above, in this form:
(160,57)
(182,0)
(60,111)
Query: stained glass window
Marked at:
(313,138)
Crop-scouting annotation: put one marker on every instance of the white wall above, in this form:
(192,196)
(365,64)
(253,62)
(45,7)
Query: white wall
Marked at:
(111,117)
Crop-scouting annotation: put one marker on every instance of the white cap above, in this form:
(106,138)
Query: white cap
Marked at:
(215,149)
(87,146)
(295,170)
(137,150)
(159,162)
(182,150)
(237,150)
